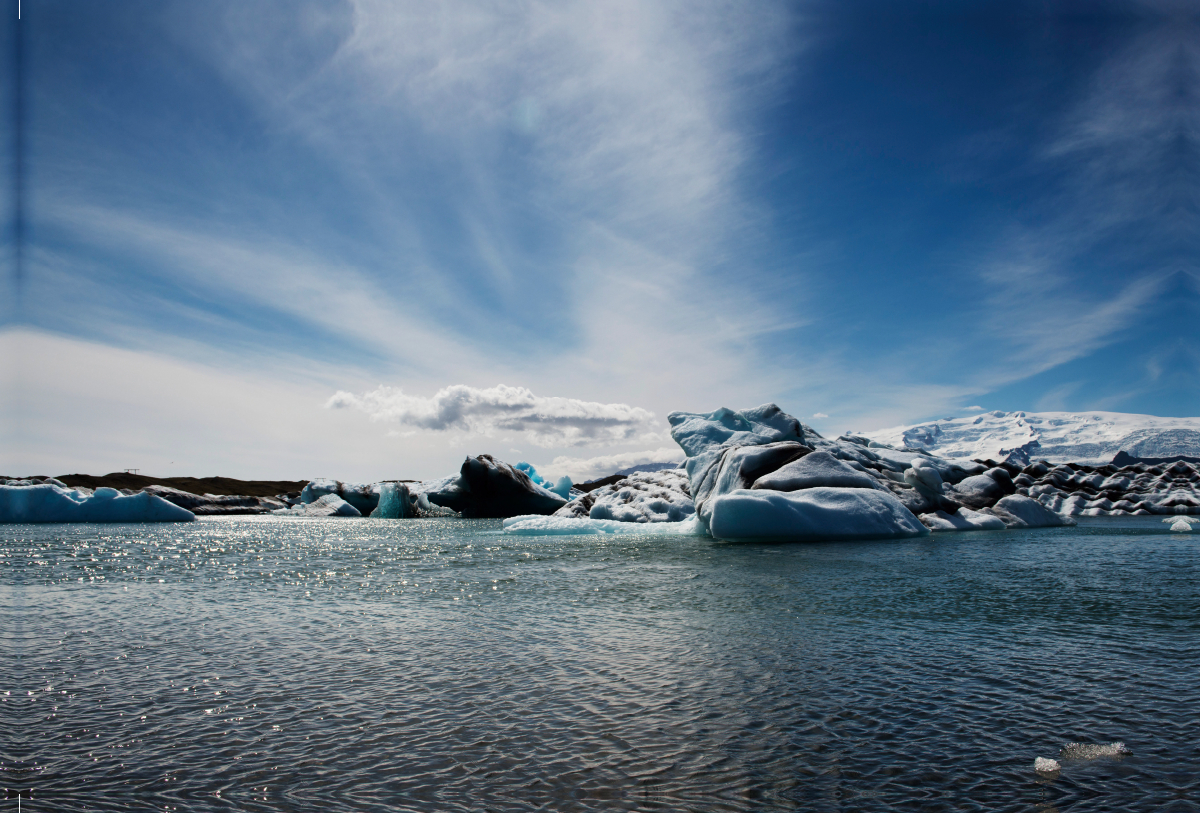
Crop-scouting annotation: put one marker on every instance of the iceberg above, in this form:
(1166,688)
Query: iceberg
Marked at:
(660,496)
(395,502)
(812,514)
(487,487)
(726,469)
(46,502)
(216,504)
(561,487)
(982,490)
(749,480)
(1094,750)
(328,505)
(363,496)
(697,432)
(1018,511)
(1046,765)
(964,519)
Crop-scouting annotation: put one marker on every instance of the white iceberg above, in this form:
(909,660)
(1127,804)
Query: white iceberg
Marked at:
(658,496)
(51,503)
(698,432)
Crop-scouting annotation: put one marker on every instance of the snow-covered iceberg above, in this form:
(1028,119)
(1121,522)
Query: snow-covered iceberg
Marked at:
(660,496)
(46,502)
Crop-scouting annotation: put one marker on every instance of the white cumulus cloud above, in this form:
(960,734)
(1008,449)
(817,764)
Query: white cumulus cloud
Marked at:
(544,421)
(820,415)
(583,469)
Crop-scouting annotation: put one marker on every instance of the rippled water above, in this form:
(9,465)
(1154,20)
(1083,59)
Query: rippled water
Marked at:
(265,663)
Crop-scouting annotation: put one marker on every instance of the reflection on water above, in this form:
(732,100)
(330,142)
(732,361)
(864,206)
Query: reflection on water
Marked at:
(263,663)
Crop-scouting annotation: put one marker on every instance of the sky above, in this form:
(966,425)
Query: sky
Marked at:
(363,239)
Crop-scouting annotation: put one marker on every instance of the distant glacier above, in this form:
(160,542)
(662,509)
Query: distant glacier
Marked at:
(1059,437)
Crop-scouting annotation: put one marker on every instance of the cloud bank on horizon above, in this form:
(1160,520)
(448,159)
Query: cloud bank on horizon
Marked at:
(548,422)
(862,212)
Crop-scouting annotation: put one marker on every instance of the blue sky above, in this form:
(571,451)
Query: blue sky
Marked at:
(362,239)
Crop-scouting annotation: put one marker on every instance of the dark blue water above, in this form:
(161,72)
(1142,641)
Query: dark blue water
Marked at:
(273,663)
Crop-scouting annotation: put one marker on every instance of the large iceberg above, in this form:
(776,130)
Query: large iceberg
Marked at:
(812,514)
(46,502)
(749,480)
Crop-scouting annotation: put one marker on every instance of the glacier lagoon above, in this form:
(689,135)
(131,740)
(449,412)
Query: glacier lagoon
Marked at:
(260,663)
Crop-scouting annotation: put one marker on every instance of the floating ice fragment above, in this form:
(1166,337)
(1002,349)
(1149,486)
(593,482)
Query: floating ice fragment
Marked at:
(1088,750)
(1044,765)
(1183,524)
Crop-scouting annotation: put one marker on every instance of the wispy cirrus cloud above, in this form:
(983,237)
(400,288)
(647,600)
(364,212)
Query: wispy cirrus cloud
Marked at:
(1120,167)
(545,420)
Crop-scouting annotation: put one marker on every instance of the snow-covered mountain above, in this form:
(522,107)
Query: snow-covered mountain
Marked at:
(1082,437)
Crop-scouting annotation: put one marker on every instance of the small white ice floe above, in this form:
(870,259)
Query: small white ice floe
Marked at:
(1094,750)
(1044,765)
(1183,524)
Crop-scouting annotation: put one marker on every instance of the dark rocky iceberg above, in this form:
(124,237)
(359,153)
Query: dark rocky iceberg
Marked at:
(490,488)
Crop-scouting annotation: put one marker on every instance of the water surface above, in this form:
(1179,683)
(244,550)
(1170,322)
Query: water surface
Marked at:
(267,663)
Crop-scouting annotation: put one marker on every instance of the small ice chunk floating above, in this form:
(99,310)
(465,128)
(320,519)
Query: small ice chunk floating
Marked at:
(1046,765)
(1093,750)
(1181,524)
